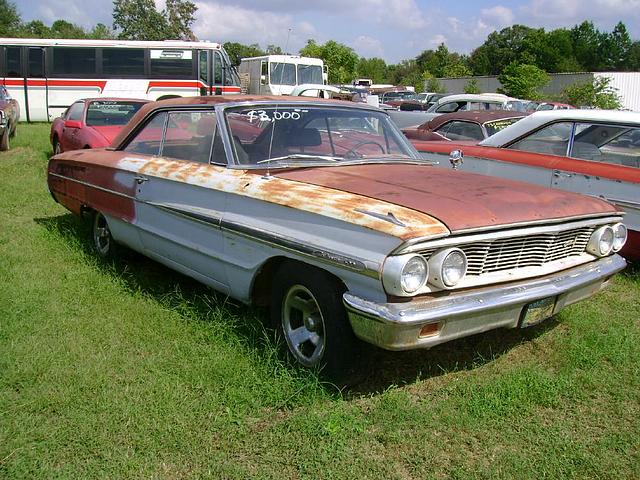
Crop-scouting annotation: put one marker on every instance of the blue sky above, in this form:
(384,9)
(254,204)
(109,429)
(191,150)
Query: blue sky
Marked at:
(391,29)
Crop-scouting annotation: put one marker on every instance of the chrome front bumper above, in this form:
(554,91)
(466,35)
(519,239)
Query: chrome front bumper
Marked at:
(397,326)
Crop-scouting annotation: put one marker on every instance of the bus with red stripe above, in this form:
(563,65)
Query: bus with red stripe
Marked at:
(47,75)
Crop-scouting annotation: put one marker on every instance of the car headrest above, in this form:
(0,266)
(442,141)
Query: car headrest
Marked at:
(304,137)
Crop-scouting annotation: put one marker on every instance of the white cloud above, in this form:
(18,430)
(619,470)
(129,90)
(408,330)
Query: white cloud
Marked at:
(368,46)
(498,15)
(570,12)
(222,23)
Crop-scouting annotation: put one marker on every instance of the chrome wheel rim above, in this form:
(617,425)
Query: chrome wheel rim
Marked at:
(303,326)
(101,235)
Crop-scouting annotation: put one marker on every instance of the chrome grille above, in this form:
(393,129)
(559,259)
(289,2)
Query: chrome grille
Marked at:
(525,251)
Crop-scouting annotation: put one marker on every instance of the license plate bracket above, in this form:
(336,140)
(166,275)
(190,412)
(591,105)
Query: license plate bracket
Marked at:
(537,312)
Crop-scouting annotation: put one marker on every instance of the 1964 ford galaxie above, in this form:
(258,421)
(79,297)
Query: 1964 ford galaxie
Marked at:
(324,211)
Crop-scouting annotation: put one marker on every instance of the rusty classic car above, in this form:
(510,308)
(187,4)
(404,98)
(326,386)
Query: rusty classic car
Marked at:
(594,152)
(9,116)
(324,211)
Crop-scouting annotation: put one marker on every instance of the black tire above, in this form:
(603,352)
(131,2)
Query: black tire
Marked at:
(103,242)
(309,317)
(4,140)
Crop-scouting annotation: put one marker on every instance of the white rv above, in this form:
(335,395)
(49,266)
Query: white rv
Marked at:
(279,74)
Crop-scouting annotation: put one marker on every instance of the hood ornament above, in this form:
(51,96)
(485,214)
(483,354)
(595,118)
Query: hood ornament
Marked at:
(456,158)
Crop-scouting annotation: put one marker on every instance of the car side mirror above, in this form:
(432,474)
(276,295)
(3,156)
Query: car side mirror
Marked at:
(456,159)
(72,124)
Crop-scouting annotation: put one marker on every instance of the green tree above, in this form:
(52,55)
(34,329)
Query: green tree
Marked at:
(238,51)
(586,39)
(101,32)
(499,50)
(341,60)
(432,84)
(140,20)
(598,94)
(10,20)
(179,17)
(373,68)
(64,29)
(472,87)
(35,29)
(616,49)
(523,81)
(456,70)
(274,50)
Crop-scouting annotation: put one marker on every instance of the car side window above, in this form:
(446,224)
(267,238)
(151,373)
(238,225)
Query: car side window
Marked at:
(614,144)
(459,130)
(189,136)
(550,140)
(148,141)
(448,107)
(75,111)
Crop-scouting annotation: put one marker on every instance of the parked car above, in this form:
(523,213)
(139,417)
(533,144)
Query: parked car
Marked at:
(468,125)
(324,211)
(92,123)
(554,106)
(479,101)
(9,117)
(596,152)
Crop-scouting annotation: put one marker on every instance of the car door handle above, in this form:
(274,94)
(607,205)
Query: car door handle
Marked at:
(140,179)
(562,175)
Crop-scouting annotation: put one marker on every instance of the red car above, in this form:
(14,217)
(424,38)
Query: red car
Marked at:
(594,152)
(464,125)
(92,123)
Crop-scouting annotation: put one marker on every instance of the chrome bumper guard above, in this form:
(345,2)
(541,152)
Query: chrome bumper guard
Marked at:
(397,326)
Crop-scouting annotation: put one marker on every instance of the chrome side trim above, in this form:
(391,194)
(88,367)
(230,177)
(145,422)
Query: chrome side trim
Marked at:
(397,326)
(459,239)
(87,184)
(266,237)
(624,203)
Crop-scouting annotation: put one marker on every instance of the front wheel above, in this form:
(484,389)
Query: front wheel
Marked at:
(4,140)
(308,314)
(103,242)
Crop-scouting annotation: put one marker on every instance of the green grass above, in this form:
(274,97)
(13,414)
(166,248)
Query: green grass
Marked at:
(125,369)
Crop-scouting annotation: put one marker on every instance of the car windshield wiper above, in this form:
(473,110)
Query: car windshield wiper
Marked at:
(301,156)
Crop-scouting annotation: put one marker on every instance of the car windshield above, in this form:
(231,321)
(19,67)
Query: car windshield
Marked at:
(104,113)
(400,96)
(497,125)
(302,134)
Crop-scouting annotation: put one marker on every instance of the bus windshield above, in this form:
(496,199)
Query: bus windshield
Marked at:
(309,74)
(283,73)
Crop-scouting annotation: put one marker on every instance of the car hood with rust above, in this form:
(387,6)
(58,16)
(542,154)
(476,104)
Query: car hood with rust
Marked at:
(460,200)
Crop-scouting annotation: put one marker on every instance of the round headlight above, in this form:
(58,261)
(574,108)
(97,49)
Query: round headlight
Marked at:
(619,236)
(601,241)
(447,267)
(404,275)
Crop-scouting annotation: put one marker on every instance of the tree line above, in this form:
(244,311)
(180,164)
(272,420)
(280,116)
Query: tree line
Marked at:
(522,56)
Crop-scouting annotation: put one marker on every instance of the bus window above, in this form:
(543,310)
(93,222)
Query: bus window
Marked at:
(217,69)
(123,61)
(14,65)
(171,63)
(69,61)
(36,63)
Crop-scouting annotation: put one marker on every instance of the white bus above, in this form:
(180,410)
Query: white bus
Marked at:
(279,74)
(48,75)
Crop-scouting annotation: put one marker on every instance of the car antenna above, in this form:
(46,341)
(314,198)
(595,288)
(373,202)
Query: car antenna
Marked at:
(273,120)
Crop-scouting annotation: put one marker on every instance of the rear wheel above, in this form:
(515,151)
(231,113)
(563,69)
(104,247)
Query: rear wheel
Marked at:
(4,140)
(102,239)
(308,314)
